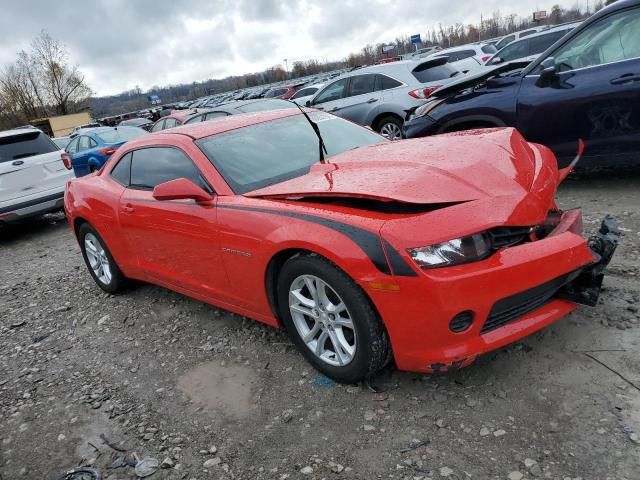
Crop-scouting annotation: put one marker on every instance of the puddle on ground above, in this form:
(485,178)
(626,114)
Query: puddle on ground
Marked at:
(226,390)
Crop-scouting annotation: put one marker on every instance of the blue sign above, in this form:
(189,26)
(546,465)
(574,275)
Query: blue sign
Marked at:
(415,39)
(154,99)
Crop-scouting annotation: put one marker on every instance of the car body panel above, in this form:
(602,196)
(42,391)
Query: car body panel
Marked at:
(221,251)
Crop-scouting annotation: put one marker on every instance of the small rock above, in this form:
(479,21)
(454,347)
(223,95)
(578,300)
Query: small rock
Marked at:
(536,471)
(146,467)
(445,472)
(369,415)
(213,449)
(441,423)
(212,462)
(61,437)
(306,470)
(499,433)
(103,319)
(167,463)
(529,462)
(634,438)
(336,467)
(369,428)
(287,416)
(515,475)
(484,431)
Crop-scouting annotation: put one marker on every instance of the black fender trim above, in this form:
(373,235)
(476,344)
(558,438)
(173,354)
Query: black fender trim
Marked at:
(369,242)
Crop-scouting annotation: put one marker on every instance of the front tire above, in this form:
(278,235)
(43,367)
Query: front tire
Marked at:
(330,320)
(102,267)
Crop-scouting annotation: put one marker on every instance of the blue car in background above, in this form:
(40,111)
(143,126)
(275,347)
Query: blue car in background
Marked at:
(93,147)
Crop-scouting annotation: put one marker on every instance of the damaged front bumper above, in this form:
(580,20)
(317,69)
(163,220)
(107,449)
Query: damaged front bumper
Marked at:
(512,294)
(585,288)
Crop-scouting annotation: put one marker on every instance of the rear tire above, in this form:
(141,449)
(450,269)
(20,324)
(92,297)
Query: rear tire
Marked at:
(100,263)
(336,329)
(390,127)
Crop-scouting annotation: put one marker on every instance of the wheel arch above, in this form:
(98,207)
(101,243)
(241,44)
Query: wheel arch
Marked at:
(474,121)
(376,121)
(277,261)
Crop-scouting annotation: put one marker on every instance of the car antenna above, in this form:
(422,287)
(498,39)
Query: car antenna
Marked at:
(316,129)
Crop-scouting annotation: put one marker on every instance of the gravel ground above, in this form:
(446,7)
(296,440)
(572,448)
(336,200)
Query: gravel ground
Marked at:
(108,381)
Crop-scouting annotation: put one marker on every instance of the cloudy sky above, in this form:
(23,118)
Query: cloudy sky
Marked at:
(119,44)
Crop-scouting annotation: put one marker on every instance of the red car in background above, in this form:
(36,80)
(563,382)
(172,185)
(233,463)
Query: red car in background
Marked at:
(174,119)
(427,252)
(283,92)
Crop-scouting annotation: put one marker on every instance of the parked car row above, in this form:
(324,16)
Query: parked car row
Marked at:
(586,86)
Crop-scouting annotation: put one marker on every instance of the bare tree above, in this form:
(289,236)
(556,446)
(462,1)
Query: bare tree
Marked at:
(63,84)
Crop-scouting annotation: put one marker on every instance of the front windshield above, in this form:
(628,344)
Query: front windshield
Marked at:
(266,153)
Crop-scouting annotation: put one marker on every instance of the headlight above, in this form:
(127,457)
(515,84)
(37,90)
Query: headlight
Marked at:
(452,252)
(423,110)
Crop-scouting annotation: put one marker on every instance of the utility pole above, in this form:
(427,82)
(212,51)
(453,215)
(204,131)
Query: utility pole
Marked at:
(480,29)
(286,67)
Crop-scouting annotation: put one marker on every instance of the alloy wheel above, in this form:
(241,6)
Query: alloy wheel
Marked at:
(391,131)
(98,259)
(322,320)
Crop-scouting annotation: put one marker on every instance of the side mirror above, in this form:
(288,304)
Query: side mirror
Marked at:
(307,103)
(496,61)
(548,67)
(180,189)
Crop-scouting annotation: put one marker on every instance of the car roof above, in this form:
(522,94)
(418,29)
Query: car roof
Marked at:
(221,125)
(19,131)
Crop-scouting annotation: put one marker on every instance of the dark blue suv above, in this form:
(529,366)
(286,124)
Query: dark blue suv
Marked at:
(585,86)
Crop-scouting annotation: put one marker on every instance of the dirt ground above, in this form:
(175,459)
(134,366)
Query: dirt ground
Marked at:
(106,381)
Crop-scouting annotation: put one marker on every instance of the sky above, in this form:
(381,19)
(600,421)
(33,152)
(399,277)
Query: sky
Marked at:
(121,44)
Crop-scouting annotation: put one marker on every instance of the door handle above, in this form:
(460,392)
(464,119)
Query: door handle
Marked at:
(372,100)
(128,208)
(18,162)
(626,78)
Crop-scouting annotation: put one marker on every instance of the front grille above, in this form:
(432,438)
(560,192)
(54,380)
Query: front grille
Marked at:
(515,306)
(509,236)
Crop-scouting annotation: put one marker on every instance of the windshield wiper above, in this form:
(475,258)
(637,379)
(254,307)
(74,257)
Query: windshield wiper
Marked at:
(316,129)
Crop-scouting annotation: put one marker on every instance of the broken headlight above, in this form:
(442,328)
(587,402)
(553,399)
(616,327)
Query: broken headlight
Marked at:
(453,252)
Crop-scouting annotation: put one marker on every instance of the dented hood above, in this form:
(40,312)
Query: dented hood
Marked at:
(449,168)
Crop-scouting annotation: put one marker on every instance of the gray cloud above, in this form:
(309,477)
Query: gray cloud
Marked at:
(122,43)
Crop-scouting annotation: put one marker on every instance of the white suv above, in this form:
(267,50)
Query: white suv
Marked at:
(33,174)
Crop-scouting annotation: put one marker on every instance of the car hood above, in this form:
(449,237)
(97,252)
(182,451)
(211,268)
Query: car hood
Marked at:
(477,77)
(450,168)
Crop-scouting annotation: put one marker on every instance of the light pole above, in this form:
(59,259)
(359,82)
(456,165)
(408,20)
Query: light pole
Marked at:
(286,67)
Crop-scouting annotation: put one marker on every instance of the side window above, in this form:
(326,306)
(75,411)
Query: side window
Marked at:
(335,91)
(514,51)
(612,39)
(540,43)
(385,83)
(121,173)
(156,165)
(505,41)
(462,54)
(73,146)
(360,85)
(195,119)
(92,143)
(159,125)
(83,144)
(212,115)
(527,33)
(170,123)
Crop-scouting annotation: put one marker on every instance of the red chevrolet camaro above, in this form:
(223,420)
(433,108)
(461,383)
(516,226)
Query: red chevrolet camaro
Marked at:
(427,252)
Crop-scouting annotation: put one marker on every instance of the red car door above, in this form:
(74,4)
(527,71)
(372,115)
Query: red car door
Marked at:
(175,241)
